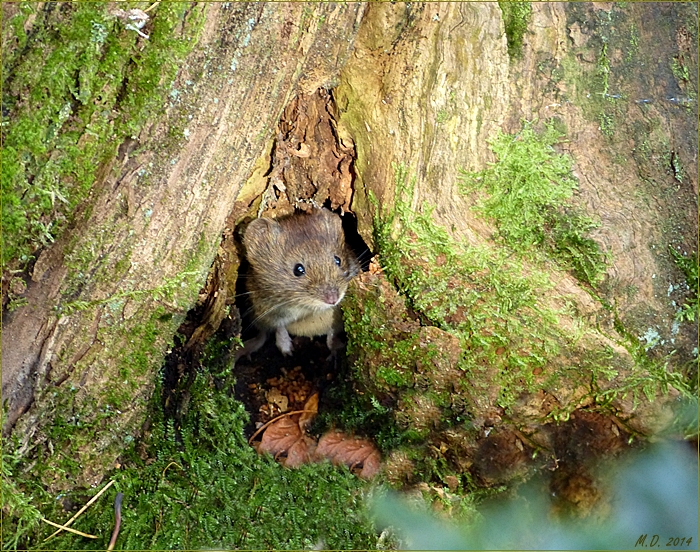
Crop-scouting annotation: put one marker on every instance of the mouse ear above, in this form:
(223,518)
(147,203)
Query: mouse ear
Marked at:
(259,232)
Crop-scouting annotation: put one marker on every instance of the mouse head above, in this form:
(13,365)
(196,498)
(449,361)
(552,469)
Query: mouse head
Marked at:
(302,257)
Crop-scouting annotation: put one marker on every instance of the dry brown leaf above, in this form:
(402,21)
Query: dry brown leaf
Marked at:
(301,452)
(286,436)
(371,465)
(340,448)
(311,408)
(280,436)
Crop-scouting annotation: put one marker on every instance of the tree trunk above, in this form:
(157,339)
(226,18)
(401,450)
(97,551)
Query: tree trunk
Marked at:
(105,299)
(426,90)
(417,93)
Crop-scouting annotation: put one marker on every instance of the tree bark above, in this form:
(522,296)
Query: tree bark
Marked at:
(426,85)
(139,254)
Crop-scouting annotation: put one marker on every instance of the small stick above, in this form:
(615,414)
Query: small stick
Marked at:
(166,468)
(71,520)
(261,428)
(68,529)
(117,520)
(151,7)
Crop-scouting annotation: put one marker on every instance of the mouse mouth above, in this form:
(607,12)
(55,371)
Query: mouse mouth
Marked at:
(323,304)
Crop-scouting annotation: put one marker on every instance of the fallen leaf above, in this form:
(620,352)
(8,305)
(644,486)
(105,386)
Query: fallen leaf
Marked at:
(311,407)
(301,452)
(280,436)
(340,448)
(371,465)
(284,436)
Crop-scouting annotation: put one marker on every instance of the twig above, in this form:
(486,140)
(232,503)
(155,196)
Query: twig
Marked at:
(71,520)
(68,529)
(262,428)
(151,7)
(117,520)
(166,468)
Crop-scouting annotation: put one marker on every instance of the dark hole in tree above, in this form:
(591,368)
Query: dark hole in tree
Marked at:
(307,371)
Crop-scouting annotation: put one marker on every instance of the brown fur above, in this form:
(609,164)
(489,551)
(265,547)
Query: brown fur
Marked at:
(283,301)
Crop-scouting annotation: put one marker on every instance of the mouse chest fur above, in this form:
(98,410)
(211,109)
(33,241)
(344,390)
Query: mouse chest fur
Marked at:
(300,268)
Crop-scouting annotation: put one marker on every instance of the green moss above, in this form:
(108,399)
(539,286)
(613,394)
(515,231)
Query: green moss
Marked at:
(170,288)
(393,377)
(361,414)
(495,305)
(527,194)
(516,16)
(507,329)
(603,68)
(632,43)
(202,485)
(19,509)
(74,89)
(689,267)
(680,71)
(588,85)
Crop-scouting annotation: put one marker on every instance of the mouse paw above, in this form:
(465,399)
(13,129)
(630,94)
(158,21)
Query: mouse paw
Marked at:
(334,343)
(250,346)
(284,341)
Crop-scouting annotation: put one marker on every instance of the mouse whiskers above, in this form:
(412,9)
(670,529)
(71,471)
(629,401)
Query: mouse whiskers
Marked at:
(274,308)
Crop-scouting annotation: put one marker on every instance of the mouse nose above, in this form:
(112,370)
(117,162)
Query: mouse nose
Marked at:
(330,296)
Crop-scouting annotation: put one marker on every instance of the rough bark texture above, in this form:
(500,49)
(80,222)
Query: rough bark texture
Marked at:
(154,223)
(410,61)
(424,85)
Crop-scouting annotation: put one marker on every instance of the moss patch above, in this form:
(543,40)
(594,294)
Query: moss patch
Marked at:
(689,266)
(451,339)
(73,89)
(516,16)
(199,484)
(527,194)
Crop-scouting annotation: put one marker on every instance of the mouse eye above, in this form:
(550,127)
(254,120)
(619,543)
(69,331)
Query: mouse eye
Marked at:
(337,260)
(299,269)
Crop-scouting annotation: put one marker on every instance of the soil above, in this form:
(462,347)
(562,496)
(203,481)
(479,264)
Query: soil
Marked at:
(269,378)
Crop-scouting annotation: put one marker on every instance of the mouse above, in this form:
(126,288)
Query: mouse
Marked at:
(300,268)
